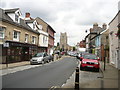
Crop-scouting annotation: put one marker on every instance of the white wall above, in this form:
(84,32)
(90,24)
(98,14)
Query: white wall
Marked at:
(113,42)
(43,39)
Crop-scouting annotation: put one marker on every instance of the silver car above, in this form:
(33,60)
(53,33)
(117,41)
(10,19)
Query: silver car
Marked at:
(40,58)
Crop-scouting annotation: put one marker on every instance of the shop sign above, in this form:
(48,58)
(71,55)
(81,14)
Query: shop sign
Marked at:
(6,44)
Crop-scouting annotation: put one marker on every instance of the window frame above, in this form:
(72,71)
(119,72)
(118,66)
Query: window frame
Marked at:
(33,40)
(17,36)
(26,38)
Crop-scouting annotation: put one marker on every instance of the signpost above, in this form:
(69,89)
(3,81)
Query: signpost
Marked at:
(6,45)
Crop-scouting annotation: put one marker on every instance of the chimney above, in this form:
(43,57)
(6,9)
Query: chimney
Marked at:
(91,30)
(95,26)
(27,15)
(104,26)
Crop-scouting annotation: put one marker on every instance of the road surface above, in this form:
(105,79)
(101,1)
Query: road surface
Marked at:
(45,76)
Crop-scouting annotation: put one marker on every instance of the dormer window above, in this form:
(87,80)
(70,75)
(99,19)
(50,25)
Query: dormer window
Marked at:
(16,18)
(33,25)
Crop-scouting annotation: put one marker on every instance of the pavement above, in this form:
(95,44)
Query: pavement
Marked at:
(107,78)
(19,66)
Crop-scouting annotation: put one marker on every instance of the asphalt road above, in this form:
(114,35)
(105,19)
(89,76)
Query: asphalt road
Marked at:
(46,76)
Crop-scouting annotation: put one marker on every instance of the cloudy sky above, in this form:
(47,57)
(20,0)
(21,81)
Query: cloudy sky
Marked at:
(71,16)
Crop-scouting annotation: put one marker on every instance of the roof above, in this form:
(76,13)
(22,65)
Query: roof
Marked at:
(52,28)
(29,21)
(11,10)
(4,17)
(114,17)
(46,23)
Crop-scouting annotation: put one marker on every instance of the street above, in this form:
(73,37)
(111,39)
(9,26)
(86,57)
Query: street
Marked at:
(46,76)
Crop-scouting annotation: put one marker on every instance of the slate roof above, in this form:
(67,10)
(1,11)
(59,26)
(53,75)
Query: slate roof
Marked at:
(11,10)
(4,17)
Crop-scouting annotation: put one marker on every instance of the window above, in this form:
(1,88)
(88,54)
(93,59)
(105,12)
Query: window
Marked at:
(16,35)
(2,29)
(33,39)
(1,34)
(43,39)
(26,38)
(16,18)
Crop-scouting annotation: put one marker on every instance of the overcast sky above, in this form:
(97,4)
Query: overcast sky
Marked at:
(71,16)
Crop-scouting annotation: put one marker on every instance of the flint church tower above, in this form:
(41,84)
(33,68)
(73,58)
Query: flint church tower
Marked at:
(63,41)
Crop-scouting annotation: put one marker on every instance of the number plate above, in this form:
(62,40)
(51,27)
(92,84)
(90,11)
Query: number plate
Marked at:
(89,66)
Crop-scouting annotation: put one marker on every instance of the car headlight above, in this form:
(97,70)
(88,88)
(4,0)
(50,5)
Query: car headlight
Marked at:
(96,63)
(84,62)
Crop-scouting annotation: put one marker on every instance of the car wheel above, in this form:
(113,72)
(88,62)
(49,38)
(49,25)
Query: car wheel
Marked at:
(42,62)
(97,70)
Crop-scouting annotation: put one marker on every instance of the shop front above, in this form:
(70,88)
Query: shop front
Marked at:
(17,52)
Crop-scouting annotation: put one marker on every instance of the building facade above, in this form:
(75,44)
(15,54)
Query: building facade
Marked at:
(18,40)
(114,45)
(21,38)
(51,33)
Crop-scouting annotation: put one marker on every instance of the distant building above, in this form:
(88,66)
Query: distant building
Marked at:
(63,41)
(82,44)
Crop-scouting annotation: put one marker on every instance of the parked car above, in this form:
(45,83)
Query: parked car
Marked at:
(40,58)
(90,61)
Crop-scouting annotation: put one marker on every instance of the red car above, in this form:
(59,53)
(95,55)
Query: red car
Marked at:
(90,61)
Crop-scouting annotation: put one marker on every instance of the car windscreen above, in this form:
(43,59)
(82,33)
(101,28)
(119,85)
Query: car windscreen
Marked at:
(90,57)
(38,55)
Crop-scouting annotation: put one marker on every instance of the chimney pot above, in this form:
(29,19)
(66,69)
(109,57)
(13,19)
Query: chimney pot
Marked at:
(27,15)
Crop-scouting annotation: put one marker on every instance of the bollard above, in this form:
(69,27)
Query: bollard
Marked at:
(77,79)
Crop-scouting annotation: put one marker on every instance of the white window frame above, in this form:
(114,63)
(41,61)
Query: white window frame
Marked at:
(33,39)
(26,38)
(17,36)
(16,19)
(2,32)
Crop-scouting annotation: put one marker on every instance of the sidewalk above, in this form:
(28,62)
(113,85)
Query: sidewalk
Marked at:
(19,66)
(11,65)
(108,79)
(22,63)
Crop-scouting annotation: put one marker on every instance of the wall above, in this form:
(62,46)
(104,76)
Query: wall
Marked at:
(9,33)
(44,25)
(113,41)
